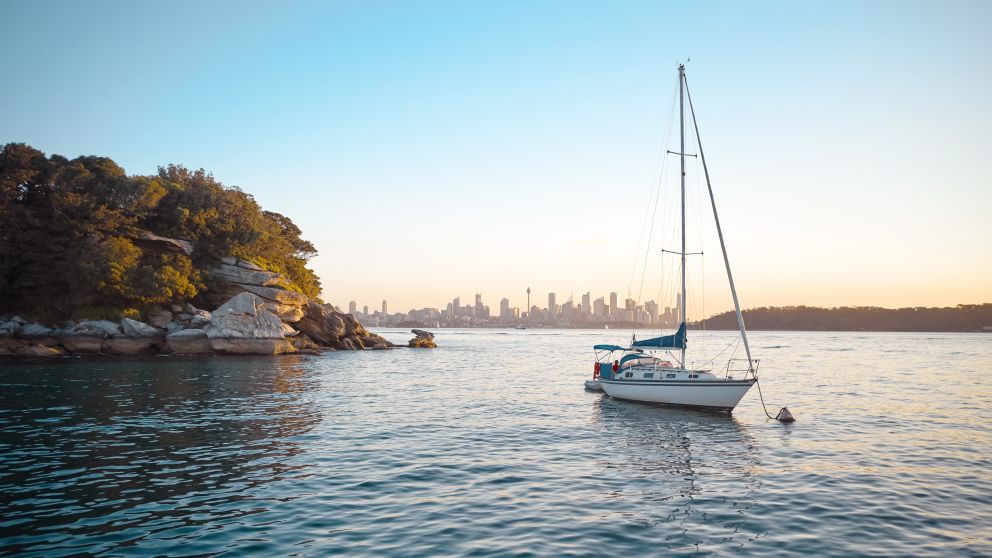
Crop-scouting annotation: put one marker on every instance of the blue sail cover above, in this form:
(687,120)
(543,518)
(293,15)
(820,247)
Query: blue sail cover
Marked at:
(607,348)
(676,341)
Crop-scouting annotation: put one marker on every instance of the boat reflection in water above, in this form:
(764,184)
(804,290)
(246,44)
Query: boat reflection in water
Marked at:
(692,475)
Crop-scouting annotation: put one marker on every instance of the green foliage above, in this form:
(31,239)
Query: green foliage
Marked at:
(963,317)
(68,231)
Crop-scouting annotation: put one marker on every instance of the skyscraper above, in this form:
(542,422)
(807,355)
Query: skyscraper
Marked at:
(457,305)
(552,310)
(600,309)
(613,304)
(365,310)
(352,307)
(504,309)
(384,306)
(585,308)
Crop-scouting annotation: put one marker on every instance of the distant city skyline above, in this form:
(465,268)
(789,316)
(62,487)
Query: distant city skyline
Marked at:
(462,147)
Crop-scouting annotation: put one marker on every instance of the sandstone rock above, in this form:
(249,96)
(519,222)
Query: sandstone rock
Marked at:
(189,342)
(160,318)
(37,351)
(347,344)
(184,317)
(83,343)
(422,334)
(11,345)
(249,265)
(303,343)
(130,345)
(288,331)
(423,340)
(36,330)
(148,240)
(321,324)
(242,276)
(97,327)
(282,296)
(9,329)
(19,320)
(175,308)
(173,326)
(285,312)
(134,328)
(229,260)
(243,326)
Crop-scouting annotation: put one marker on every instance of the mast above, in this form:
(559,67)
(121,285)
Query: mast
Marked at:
(682,159)
(719,232)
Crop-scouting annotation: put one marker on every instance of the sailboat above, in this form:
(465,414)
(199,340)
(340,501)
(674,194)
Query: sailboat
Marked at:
(636,372)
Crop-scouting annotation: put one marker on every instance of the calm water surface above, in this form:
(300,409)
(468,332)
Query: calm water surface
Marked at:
(489,446)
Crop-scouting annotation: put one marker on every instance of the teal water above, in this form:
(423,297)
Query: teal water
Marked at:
(488,446)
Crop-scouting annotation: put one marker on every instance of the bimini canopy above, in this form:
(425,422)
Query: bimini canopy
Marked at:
(676,341)
(608,348)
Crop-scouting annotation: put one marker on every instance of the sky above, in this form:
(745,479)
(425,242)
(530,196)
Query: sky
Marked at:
(439,149)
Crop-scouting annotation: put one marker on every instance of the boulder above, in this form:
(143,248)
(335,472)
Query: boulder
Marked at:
(160,318)
(19,320)
(423,340)
(9,329)
(242,276)
(97,328)
(249,265)
(288,331)
(321,324)
(10,346)
(242,325)
(285,312)
(134,328)
(282,296)
(189,342)
(200,319)
(38,351)
(175,308)
(35,330)
(130,345)
(303,343)
(83,343)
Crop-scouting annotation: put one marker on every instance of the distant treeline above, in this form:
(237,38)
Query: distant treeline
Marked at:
(963,317)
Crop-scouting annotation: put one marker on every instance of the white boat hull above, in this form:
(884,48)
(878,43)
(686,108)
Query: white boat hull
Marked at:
(593,385)
(719,394)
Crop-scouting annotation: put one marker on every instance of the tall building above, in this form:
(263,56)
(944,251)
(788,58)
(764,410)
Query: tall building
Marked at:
(613,304)
(530,314)
(457,305)
(384,306)
(600,309)
(365,309)
(651,307)
(585,308)
(352,307)
(504,309)
(552,307)
(478,304)
(629,304)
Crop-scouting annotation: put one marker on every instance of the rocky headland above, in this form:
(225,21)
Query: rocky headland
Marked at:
(261,317)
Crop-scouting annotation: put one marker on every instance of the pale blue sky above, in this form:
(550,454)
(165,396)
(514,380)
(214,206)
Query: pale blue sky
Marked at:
(435,149)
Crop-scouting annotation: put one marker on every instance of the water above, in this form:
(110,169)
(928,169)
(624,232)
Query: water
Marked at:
(489,446)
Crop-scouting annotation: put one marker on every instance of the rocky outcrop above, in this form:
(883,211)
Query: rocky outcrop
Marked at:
(134,328)
(131,345)
(153,242)
(242,325)
(335,330)
(38,351)
(423,340)
(243,276)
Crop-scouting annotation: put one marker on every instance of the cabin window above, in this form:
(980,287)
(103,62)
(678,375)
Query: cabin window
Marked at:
(649,374)
(669,375)
(628,375)
(693,375)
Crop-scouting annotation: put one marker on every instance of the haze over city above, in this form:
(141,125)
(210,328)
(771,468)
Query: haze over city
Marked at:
(442,149)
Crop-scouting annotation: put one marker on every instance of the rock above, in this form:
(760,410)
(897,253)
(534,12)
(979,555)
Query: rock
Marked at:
(173,326)
(36,330)
(282,296)
(243,326)
(148,240)
(160,318)
(38,351)
(422,334)
(10,346)
(285,312)
(422,343)
(175,308)
(184,317)
(347,345)
(19,320)
(352,327)
(83,343)
(241,276)
(189,342)
(321,324)
(246,346)
(303,343)
(249,265)
(134,328)
(9,329)
(229,260)
(97,327)
(130,345)
(288,331)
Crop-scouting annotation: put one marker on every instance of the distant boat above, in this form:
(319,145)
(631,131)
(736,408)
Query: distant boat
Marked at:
(520,327)
(635,373)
